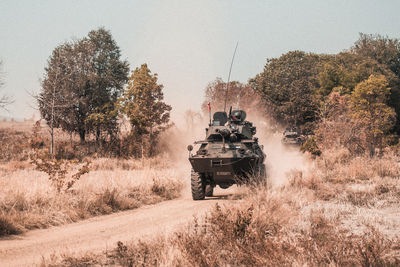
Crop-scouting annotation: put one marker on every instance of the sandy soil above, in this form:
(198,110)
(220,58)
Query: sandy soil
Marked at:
(101,233)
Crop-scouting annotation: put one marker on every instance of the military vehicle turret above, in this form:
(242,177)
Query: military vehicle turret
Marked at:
(229,155)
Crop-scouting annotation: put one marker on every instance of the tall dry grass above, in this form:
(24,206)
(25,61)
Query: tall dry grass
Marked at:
(28,200)
(361,181)
(343,211)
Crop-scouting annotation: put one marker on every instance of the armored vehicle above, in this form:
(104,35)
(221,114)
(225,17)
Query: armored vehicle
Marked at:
(229,155)
(291,136)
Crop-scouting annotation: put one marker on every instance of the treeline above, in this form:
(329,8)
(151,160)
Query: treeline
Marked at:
(349,99)
(87,88)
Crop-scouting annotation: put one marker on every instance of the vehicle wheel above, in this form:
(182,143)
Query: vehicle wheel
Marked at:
(224,186)
(198,186)
(260,174)
(209,190)
(263,174)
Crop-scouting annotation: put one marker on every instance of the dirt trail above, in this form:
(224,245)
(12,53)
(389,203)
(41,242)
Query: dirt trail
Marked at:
(101,233)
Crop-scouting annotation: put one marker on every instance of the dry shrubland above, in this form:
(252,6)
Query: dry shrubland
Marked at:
(343,211)
(29,200)
(38,190)
(13,145)
(338,209)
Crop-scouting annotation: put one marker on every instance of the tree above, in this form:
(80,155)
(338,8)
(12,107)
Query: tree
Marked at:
(142,102)
(371,54)
(239,96)
(359,121)
(4,99)
(336,128)
(386,52)
(52,102)
(369,108)
(111,75)
(192,119)
(83,81)
(346,70)
(288,85)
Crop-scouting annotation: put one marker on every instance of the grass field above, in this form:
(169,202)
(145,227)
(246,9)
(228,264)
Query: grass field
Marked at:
(28,200)
(335,210)
(343,211)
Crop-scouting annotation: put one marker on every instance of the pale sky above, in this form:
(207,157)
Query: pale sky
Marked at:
(188,43)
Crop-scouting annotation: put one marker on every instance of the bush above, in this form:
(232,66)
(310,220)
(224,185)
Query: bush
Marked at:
(310,145)
(7,227)
(58,169)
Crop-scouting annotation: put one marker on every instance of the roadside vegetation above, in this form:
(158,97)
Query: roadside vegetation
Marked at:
(29,199)
(342,212)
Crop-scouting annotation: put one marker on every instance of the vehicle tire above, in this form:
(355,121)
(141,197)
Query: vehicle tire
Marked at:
(209,190)
(260,174)
(263,173)
(198,186)
(224,186)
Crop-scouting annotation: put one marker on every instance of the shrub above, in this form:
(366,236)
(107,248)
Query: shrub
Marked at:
(7,227)
(58,170)
(310,145)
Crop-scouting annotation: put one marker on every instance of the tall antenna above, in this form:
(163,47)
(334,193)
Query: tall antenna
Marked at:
(229,77)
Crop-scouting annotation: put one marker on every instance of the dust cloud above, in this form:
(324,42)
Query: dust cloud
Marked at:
(280,159)
(173,144)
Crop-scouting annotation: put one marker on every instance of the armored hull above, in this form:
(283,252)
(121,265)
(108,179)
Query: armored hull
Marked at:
(225,170)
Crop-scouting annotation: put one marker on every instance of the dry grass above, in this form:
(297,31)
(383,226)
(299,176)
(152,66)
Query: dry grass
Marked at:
(362,181)
(28,200)
(159,162)
(343,212)
(14,145)
(265,229)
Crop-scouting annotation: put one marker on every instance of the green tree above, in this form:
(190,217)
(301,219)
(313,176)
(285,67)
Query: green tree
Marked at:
(386,52)
(371,54)
(369,108)
(142,102)
(288,85)
(83,78)
(346,70)
(104,121)
(111,74)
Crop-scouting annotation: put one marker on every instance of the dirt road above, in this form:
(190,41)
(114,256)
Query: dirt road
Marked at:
(101,233)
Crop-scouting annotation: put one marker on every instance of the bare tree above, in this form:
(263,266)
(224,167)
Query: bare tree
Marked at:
(50,103)
(4,99)
(55,101)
